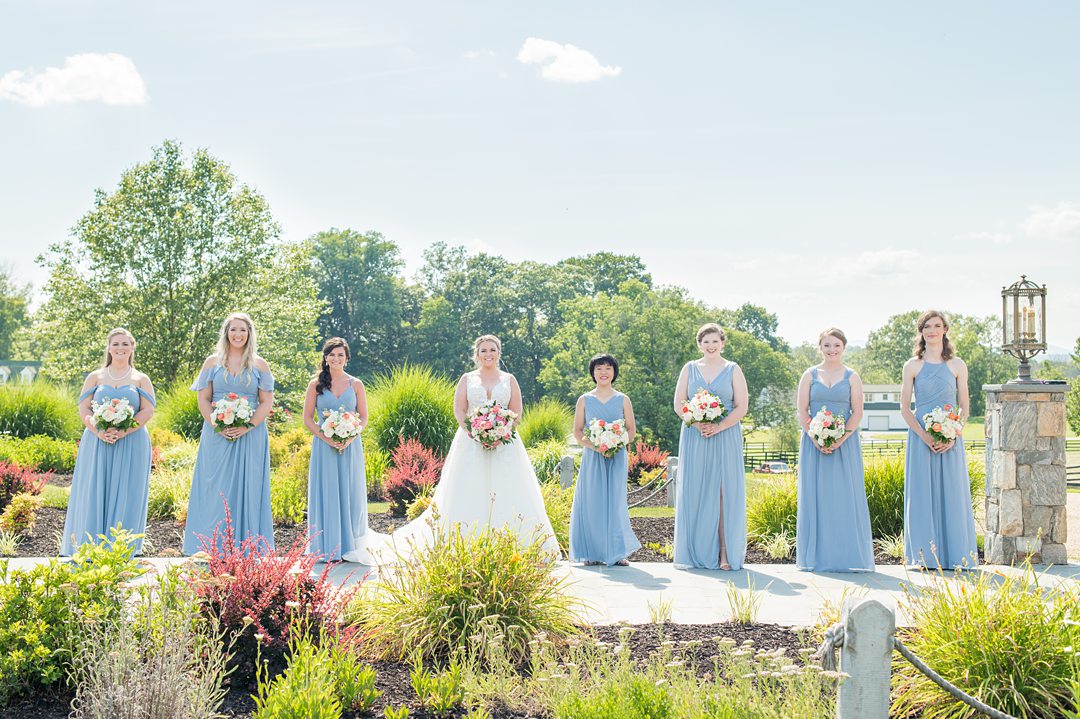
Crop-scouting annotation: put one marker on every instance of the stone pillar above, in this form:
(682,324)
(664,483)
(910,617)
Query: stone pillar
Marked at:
(566,472)
(866,658)
(673,475)
(1025,473)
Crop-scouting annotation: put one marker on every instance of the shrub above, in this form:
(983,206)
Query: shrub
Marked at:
(168,494)
(778,546)
(305,690)
(440,693)
(558,502)
(412,402)
(645,463)
(40,607)
(376,466)
(548,419)
(20,515)
(40,453)
(178,410)
(999,637)
(545,457)
(162,438)
(288,488)
(635,696)
(285,445)
(884,479)
(38,408)
(415,469)
(419,505)
(279,420)
(9,543)
(179,456)
(19,480)
(55,497)
(252,591)
(771,508)
(165,662)
(438,599)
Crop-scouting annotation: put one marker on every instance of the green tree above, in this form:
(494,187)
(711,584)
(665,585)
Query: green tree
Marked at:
(604,272)
(175,247)
(14,299)
(357,276)
(889,347)
(760,323)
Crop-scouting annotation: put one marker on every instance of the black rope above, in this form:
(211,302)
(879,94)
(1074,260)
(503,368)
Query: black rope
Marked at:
(953,691)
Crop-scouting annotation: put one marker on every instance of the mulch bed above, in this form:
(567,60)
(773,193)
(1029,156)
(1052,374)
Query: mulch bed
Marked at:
(393,677)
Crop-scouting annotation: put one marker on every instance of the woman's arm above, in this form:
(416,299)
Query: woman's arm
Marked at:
(802,401)
(579,424)
(681,390)
(515,397)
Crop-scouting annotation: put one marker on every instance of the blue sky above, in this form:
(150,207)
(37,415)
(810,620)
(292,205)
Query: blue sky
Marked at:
(834,162)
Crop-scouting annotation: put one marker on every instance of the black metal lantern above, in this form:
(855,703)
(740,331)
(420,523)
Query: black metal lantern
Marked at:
(1023,323)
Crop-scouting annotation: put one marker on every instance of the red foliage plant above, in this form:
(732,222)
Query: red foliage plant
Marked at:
(16,479)
(645,460)
(415,468)
(265,597)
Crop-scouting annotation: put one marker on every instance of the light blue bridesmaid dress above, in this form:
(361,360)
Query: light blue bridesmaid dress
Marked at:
(939,523)
(236,472)
(711,476)
(600,520)
(337,488)
(111,481)
(833,526)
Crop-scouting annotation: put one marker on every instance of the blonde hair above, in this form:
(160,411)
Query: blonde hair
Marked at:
(250,349)
(481,340)
(833,332)
(108,339)
(920,341)
(709,328)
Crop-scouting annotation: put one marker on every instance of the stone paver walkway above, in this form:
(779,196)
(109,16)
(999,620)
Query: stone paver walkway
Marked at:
(788,596)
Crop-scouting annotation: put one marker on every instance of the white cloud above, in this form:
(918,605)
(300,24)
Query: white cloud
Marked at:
(880,263)
(1053,223)
(477,54)
(110,78)
(564,63)
(997,238)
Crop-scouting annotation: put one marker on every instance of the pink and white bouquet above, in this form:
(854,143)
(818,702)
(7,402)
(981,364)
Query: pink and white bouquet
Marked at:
(703,407)
(608,437)
(232,410)
(943,423)
(826,428)
(491,424)
(116,413)
(341,424)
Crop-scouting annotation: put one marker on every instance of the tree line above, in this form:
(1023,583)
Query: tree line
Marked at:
(180,242)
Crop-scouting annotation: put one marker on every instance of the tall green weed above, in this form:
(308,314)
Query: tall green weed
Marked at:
(412,402)
(39,408)
(546,420)
(178,410)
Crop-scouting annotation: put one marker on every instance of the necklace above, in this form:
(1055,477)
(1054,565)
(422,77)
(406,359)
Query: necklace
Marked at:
(114,378)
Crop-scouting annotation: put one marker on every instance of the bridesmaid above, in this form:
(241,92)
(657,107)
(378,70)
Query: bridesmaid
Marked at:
(710,506)
(112,471)
(600,530)
(939,523)
(337,489)
(833,526)
(232,469)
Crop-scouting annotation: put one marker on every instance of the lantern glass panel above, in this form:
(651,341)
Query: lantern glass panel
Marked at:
(1010,326)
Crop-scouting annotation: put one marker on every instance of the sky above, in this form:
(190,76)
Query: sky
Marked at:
(835,162)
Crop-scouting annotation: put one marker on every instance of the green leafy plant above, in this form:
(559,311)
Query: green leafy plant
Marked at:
(999,636)
(558,503)
(633,696)
(376,465)
(41,608)
(38,408)
(884,479)
(545,457)
(778,546)
(178,410)
(402,712)
(162,438)
(178,456)
(419,504)
(304,690)
(667,549)
(20,515)
(660,610)
(283,446)
(771,508)
(439,598)
(354,682)
(9,543)
(744,604)
(412,402)
(288,488)
(891,545)
(40,453)
(439,692)
(167,497)
(55,497)
(546,420)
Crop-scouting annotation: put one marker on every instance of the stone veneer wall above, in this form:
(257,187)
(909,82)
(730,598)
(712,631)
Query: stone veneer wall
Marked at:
(1026,492)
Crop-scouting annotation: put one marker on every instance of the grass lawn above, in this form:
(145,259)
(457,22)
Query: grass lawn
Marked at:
(377,507)
(652,512)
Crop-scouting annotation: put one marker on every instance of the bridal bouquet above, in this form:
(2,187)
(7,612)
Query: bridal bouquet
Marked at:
(491,424)
(703,407)
(943,423)
(232,410)
(608,437)
(115,413)
(340,424)
(826,428)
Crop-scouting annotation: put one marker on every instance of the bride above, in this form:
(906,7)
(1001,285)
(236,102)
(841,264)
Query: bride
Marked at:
(479,488)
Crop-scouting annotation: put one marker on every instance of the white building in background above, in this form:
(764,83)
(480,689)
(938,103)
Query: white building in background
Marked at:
(881,408)
(15,372)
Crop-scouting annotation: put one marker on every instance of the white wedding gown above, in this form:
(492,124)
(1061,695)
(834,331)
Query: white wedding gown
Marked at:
(478,489)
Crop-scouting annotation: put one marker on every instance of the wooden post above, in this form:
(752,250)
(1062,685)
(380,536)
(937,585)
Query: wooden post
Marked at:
(566,471)
(673,475)
(866,658)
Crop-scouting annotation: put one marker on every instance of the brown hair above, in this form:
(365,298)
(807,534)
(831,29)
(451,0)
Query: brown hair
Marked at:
(920,343)
(833,332)
(324,381)
(710,327)
(481,340)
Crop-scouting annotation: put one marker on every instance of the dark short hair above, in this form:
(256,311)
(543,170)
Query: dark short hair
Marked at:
(603,359)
